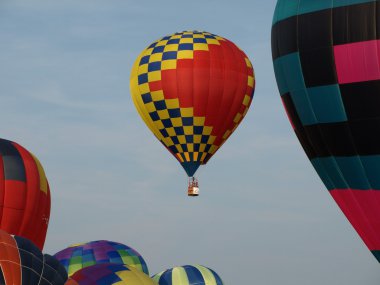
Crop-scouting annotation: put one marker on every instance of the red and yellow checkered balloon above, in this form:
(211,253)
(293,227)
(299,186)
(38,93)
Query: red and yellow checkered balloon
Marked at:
(192,89)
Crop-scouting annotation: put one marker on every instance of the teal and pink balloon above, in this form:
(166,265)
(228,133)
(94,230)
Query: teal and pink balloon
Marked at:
(326,59)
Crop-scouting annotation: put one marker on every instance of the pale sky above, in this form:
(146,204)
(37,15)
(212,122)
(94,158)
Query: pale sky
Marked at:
(263,216)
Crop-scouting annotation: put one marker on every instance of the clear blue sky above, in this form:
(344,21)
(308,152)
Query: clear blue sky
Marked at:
(263,216)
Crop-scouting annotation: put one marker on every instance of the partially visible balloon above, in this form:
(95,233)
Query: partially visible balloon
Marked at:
(188,275)
(192,89)
(22,263)
(326,59)
(109,274)
(82,255)
(24,192)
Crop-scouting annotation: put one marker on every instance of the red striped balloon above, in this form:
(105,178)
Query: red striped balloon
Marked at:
(24,193)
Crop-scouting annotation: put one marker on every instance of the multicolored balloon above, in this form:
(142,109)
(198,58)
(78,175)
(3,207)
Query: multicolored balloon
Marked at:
(192,89)
(22,263)
(188,275)
(326,59)
(24,192)
(79,256)
(109,274)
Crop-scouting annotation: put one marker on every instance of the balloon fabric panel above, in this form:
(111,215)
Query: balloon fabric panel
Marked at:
(192,89)
(25,201)
(79,256)
(22,263)
(9,260)
(328,76)
(108,273)
(188,275)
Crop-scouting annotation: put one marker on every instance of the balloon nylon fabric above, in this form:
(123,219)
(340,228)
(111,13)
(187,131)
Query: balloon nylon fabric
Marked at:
(24,193)
(192,89)
(188,275)
(82,255)
(22,263)
(327,64)
(108,273)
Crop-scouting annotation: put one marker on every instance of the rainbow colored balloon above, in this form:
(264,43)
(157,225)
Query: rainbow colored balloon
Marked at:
(79,256)
(109,274)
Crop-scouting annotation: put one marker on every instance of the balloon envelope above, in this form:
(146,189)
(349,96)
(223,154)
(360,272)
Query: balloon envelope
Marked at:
(192,89)
(326,60)
(82,255)
(188,275)
(109,273)
(22,263)
(25,193)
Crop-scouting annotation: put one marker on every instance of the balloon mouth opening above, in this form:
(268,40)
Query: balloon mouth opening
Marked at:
(190,167)
(376,253)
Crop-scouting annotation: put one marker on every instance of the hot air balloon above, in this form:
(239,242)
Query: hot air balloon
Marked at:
(22,263)
(25,193)
(192,89)
(79,256)
(326,60)
(188,275)
(109,273)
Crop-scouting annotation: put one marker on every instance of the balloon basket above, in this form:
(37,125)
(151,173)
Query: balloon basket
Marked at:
(193,188)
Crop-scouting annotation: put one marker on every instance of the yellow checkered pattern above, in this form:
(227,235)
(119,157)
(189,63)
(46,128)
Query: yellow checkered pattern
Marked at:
(186,136)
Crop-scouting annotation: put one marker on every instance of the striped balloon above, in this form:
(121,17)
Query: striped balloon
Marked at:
(327,63)
(188,275)
(79,256)
(109,274)
(24,192)
(22,263)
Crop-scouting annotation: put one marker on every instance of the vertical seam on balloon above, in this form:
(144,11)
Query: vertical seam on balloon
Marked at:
(193,106)
(338,168)
(43,268)
(47,209)
(214,125)
(377,49)
(221,116)
(138,101)
(311,107)
(2,214)
(217,122)
(312,110)
(33,235)
(38,206)
(359,156)
(180,107)
(235,97)
(209,91)
(206,274)
(19,258)
(138,276)
(350,193)
(207,103)
(336,165)
(377,237)
(217,277)
(156,278)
